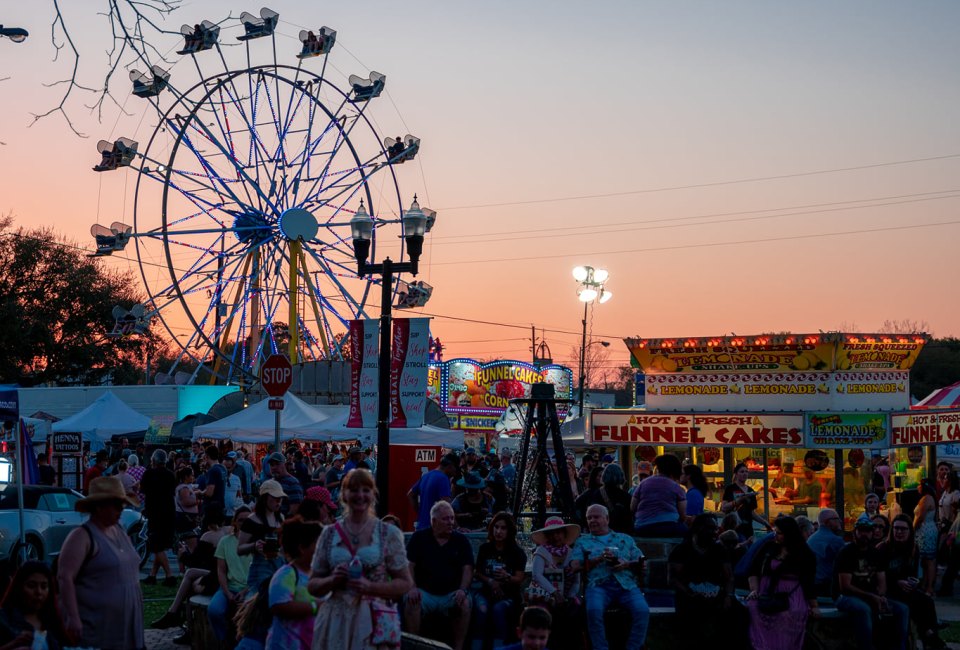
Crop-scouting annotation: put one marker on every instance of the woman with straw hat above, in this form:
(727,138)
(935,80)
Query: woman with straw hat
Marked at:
(99,574)
(554,582)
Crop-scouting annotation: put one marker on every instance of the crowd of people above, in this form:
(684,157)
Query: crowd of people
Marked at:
(294,556)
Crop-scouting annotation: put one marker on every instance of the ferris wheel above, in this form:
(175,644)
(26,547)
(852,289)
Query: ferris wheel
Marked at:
(244,196)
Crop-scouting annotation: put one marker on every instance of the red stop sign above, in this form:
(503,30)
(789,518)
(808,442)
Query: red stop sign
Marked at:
(276,375)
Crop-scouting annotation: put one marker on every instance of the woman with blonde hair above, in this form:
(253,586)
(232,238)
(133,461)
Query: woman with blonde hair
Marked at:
(361,563)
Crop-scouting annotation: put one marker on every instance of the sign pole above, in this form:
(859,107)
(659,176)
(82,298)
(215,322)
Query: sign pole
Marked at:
(383,397)
(23,542)
(276,430)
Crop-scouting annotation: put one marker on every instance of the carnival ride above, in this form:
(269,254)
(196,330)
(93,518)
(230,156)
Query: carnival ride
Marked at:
(244,195)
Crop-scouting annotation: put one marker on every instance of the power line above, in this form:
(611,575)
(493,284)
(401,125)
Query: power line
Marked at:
(755,179)
(598,228)
(704,245)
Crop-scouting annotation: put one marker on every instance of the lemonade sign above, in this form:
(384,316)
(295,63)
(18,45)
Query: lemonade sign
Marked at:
(731,354)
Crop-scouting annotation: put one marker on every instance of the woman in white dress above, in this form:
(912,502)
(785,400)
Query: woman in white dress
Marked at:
(346,619)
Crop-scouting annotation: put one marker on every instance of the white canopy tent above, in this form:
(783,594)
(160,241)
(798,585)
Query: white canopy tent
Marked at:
(108,416)
(257,423)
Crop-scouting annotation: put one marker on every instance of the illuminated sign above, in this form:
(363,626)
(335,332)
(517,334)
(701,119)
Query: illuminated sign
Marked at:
(847,430)
(465,387)
(878,352)
(924,428)
(776,353)
(627,427)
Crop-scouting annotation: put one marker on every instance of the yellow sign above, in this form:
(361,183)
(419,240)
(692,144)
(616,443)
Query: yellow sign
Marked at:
(732,354)
(828,352)
(878,352)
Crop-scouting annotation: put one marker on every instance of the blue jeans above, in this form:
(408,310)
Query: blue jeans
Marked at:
(862,616)
(217,614)
(609,592)
(482,611)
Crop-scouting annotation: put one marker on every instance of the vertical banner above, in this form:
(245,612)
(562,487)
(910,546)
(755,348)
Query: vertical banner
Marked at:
(364,348)
(408,372)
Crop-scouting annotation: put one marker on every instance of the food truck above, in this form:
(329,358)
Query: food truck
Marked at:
(824,414)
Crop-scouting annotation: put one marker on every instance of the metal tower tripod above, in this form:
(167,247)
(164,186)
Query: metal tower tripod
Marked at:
(534,468)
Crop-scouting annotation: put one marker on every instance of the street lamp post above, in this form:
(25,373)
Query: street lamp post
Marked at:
(415,225)
(15,34)
(591,290)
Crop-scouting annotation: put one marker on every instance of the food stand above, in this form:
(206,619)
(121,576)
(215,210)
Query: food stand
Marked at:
(811,415)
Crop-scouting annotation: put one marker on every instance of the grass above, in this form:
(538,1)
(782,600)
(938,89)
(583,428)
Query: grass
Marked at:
(156,601)
(952,633)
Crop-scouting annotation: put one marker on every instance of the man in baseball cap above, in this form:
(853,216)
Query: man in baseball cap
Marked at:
(334,476)
(289,483)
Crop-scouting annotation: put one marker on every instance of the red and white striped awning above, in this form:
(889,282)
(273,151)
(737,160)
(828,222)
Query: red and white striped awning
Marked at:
(946,397)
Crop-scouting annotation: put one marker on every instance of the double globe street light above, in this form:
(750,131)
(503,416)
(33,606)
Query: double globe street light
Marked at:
(416,223)
(591,290)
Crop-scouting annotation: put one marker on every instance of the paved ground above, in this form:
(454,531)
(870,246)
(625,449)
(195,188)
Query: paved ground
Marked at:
(163,639)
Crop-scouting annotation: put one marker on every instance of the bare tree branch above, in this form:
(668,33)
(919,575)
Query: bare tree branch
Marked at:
(132,24)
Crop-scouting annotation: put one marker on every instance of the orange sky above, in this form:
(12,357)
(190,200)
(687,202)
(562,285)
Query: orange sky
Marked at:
(743,167)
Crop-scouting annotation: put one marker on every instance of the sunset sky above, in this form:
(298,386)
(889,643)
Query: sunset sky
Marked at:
(738,167)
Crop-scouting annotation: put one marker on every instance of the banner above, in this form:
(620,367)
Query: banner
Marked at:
(810,391)
(833,430)
(623,427)
(364,349)
(924,428)
(408,371)
(434,371)
(9,404)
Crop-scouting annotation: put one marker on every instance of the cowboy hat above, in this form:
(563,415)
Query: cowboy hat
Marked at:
(472,481)
(572,531)
(105,488)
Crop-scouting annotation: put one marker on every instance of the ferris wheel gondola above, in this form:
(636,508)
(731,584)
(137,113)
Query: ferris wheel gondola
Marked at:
(244,195)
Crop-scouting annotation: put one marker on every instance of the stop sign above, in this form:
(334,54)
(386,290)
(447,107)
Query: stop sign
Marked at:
(276,375)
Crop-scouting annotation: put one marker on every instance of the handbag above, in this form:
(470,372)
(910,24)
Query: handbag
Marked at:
(384,615)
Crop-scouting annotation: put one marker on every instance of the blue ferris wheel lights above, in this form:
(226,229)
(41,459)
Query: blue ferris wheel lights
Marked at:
(252,228)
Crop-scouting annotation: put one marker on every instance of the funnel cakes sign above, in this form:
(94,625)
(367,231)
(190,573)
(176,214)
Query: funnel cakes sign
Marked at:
(465,386)
(627,427)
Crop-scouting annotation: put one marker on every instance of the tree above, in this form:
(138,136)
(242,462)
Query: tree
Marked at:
(937,366)
(56,314)
(904,326)
(131,24)
(595,364)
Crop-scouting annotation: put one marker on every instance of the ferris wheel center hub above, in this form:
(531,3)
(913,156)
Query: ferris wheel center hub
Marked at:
(297,223)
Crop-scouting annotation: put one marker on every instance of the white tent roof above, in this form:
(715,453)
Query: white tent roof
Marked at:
(329,423)
(256,423)
(336,429)
(108,416)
